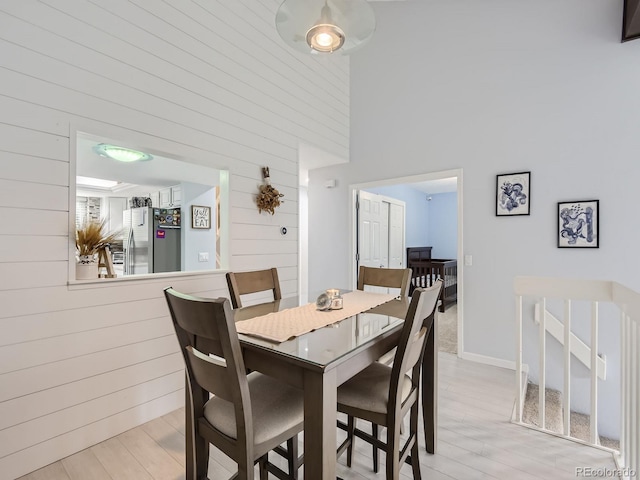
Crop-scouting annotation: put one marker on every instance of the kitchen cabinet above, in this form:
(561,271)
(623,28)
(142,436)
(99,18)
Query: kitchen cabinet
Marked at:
(171,197)
(115,207)
(155,199)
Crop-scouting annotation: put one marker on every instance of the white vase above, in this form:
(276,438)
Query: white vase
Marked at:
(87,267)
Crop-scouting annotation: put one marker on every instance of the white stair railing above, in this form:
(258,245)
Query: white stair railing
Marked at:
(579,349)
(595,292)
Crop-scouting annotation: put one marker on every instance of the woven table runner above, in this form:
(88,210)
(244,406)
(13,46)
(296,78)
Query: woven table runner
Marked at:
(293,322)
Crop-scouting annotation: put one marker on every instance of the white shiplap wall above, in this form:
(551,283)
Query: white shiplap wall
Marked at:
(205,80)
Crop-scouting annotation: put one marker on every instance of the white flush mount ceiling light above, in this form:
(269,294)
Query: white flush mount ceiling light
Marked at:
(325,26)
(95,182)
(121,154)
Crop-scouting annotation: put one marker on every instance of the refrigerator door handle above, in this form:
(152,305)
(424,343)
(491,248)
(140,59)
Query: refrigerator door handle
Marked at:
(127,264)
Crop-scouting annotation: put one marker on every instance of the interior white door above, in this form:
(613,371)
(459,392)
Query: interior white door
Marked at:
(373,230)
(396,235)
(381,236)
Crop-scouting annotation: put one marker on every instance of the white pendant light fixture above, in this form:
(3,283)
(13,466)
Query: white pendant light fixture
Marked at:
(325,26)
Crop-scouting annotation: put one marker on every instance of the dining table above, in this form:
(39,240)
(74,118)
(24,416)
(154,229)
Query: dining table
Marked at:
(319,361)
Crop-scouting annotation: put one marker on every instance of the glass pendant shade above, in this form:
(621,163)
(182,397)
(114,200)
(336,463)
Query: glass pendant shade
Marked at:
(325,26)
(121,154)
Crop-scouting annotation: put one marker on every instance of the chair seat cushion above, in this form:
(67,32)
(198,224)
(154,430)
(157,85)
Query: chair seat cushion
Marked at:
(275,407)
(369,389)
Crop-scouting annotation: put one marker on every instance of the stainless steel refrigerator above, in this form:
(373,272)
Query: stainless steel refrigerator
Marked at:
(151,241)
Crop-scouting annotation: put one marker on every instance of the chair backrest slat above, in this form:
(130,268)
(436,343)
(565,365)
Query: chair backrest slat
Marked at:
(417,327)
(414,348)
(244,283)
(385,277)
(210,375)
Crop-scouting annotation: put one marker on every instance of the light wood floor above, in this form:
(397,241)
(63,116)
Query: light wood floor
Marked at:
(476,441)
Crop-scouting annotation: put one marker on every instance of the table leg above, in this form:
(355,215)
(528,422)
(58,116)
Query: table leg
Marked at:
(429,390)
(320,414)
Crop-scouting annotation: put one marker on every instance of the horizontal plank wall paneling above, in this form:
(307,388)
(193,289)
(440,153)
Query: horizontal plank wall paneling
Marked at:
(32,116)
(65,322)
(265,232)
(75,345)
(33,195)
(23,382)
(33,169)
(22,221)
(16,411)
(34,142)
(23,248)
(210,82)
(63,298)
(16,438)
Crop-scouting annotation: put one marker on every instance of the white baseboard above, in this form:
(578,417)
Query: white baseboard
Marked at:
(496,362)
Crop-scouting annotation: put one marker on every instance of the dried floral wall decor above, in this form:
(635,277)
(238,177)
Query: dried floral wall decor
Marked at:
(269,198)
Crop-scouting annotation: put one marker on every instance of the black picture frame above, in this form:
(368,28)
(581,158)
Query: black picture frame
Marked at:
(513,194)
(630,20)
(579,224)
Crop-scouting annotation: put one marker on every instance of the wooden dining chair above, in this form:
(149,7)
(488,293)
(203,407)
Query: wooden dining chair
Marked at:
(389,278)
(243,283)
(248,415)
(385,277)
(383,394)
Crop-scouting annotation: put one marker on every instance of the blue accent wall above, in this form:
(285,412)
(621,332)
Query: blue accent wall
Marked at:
(443,225)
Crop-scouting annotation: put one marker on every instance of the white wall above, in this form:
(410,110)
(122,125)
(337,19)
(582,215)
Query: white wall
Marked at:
(196,241)
(493,87)
(210,82)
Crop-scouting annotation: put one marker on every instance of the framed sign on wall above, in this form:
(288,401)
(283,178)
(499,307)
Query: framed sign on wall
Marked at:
(200,216)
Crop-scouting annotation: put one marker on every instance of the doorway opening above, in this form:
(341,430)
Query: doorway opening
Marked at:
(432,219)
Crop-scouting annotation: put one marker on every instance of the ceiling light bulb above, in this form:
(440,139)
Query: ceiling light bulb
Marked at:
(325,37)
(121,154)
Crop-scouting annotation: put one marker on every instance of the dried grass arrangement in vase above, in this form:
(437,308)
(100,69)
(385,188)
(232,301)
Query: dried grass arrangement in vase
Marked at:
(91,237)
(269,198)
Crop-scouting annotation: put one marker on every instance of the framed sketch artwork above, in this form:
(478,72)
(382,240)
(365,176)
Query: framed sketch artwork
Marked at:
(578,224)
(513,194)
(200,216)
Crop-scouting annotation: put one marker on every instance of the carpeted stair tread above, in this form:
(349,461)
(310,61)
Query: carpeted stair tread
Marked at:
(580,423)
(581,429)
(552,410)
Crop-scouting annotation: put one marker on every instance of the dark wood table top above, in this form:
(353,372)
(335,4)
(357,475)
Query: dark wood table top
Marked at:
(325,345)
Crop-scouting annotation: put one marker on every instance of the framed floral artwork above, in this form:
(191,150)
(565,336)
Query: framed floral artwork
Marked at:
(513,194)
(578,224)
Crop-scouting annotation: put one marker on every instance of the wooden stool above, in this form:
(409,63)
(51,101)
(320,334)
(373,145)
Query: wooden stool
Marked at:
(105,260)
